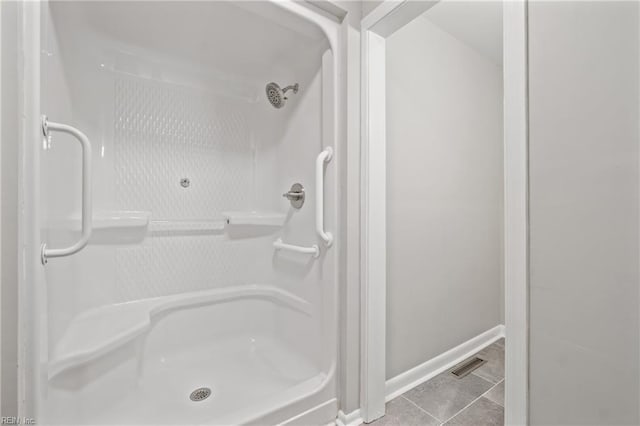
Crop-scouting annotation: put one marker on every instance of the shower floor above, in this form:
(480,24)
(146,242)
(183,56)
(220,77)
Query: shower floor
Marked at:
(247,376)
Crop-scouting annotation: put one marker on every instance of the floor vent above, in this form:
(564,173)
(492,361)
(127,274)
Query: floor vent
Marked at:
(467,367)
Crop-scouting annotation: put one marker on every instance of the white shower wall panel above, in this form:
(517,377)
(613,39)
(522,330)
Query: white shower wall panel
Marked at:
(239,154)
(154,119)
(160,132)
(163,132)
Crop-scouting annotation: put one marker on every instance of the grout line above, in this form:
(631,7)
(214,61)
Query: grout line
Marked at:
(472,402)
(497,384)
(420,408)
(484,378)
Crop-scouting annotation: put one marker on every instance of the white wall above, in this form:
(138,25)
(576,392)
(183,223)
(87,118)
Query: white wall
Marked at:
(9,215)
(584,341)
(444,194)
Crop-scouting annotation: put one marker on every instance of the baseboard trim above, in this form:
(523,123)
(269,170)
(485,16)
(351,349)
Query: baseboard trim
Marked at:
(409,379)
(353,418)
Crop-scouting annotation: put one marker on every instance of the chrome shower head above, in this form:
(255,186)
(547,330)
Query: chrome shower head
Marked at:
(276,95)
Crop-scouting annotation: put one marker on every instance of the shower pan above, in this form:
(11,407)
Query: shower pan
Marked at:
(169,281)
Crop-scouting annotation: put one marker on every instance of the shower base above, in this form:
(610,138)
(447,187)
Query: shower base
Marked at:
(247,375)
(252,346)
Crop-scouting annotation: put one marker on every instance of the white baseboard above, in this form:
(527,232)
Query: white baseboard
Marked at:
(353,418)
(409,379)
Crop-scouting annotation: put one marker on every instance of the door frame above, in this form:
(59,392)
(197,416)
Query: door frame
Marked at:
(31,301)
(376,27)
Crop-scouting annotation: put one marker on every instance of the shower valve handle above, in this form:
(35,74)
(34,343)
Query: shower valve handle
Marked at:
(293,195)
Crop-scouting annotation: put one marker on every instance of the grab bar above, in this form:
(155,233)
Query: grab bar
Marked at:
(324,157)
(47,127)
(314,249)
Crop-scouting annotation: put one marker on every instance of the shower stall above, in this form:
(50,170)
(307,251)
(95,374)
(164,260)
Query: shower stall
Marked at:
(180,213)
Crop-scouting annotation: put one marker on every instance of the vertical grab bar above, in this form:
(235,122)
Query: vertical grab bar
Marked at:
(47,127)
(324,157)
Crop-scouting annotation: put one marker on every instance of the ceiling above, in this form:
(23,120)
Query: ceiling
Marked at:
(477,23)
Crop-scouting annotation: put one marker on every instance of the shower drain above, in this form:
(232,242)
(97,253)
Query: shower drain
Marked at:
(200,394)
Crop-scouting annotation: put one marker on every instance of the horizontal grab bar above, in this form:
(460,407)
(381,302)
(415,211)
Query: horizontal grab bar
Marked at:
(314,249)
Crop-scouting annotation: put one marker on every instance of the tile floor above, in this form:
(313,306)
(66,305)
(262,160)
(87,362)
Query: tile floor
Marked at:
(476,399)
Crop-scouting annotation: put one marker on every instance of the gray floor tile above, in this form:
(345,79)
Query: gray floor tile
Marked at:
(401,412)
(481,413)
(493,369)
(500,342)
(445,395)
(497,394)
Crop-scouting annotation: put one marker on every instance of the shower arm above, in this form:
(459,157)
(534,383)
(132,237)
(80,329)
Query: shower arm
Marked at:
(87,207)
(293,87)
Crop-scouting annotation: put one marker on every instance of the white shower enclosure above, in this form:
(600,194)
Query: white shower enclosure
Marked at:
(166,280)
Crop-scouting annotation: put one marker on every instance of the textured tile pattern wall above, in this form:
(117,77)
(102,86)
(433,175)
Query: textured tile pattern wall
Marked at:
(163,133)
(166,132)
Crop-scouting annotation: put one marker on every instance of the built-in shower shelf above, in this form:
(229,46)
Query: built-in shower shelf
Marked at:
(99,331)
(131,227)
(109,227)
(186,226)
(119,219)
(254,218)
